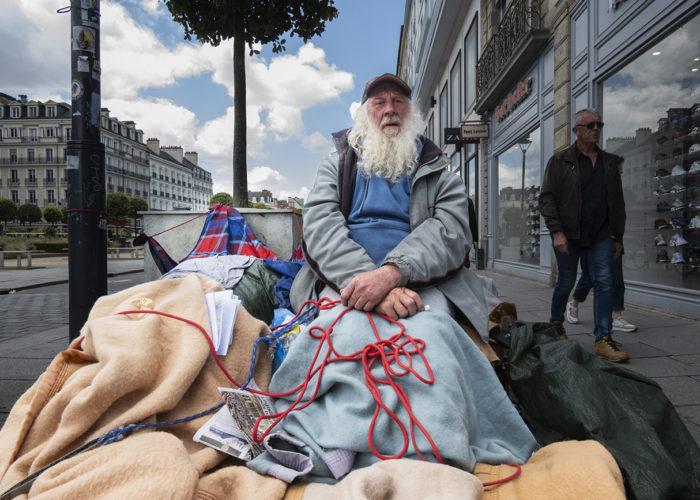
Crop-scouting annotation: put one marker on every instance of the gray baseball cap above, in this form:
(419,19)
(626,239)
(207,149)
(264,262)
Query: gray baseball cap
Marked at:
(385,78)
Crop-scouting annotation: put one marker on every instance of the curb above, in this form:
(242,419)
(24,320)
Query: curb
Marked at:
(6,291)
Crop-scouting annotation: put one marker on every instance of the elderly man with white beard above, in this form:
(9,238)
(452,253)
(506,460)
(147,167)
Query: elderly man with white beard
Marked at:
(386,224)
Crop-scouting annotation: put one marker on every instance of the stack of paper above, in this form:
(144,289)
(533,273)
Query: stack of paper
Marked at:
(222,307)
(222,433)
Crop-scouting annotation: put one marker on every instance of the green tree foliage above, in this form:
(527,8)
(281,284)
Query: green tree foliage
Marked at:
(28,213)
(137,205)
(259,205)
(249,22)
(118,205)
(8,210)
(222,198)
(53,214)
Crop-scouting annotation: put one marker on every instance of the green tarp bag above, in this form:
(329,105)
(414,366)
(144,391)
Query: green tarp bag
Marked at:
(565,389)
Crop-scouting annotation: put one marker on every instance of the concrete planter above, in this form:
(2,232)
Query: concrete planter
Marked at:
(277,228)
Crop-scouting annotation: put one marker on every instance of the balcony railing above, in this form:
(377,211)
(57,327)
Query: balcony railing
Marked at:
(49,201)
(50,182)
(31,182)
(37,160)
(13,183)
(516,40)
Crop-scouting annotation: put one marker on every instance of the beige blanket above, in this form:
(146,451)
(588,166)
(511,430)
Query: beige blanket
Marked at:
(131,369)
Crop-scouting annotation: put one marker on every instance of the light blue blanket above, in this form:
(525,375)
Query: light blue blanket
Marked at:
(466,411)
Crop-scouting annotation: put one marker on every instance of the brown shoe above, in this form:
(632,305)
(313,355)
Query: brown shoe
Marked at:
(608,349)
(559,327)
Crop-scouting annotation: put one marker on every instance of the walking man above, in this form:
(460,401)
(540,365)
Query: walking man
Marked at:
(582,204)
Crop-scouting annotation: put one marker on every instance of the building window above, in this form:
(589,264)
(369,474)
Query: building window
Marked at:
(49,132)
(33,112)
(31,174)
(51,111)
(15,195)
(651,113)
(14,175)
(471,56)
(518,224)
(33,134)
(455,93)
(15,112)
(13,156)
(32,196)
(455,161)
(68,131)
(443,112)
(49,175)
(50,196)
(30,156)
(49,154)
(14,132)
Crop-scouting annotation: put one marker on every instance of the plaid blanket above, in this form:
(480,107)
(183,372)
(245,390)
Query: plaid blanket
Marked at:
(226,232)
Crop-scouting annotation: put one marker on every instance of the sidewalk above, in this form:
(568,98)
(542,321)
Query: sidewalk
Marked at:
(54,270)
(665,348)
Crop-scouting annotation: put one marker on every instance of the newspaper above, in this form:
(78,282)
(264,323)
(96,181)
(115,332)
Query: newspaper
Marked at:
(222,307)
(222,433)
(245,408)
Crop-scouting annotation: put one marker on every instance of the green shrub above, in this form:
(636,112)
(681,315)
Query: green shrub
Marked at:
(59,247)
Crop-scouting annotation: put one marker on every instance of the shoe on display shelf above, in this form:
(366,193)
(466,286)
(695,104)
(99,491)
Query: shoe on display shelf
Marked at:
(677,188)
(677,241)
(695,223)
(662,256)
(677,258)
(661,172)
(663,207)
(678,222)
(695,148)
(678,170)
(622,325)
(695,167)
(661,224)
(695,131)
(677,205)
(659,240)
(571,313)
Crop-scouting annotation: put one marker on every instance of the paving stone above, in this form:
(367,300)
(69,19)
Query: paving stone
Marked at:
(691,413)
(22,368)
(659,366)
(691,359)
(10,391)
(675,340)
(681,390)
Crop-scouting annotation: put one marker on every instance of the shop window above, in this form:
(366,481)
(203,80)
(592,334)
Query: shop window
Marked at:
(471,57)
(518,233)
(443,113)
(455,91)
(455,163)
(651,110)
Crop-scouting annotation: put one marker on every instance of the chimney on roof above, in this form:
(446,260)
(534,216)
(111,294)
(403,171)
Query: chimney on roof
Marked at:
(191,157)
(154,145)
(174,151)
(23,98)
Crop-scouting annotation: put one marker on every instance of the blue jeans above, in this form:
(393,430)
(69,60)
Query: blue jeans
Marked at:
(598,259)
(584,285)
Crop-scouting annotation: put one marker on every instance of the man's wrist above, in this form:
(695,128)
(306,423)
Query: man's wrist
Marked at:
(393,271)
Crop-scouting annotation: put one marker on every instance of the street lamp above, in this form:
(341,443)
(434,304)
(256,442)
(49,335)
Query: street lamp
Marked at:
(523,144)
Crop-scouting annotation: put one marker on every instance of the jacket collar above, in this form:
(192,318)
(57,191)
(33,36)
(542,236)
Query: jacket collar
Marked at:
(572,152)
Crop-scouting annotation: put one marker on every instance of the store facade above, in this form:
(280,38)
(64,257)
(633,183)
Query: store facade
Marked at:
(639,63)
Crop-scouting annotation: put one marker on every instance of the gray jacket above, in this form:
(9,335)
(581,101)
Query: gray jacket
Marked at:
(433,254)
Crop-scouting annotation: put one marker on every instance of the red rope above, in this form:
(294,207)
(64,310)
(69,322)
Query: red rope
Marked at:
(395,354)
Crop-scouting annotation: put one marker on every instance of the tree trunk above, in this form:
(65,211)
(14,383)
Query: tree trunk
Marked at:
(240,168)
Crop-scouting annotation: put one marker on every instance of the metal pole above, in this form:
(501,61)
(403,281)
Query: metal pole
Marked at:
(85,169)
(522,204)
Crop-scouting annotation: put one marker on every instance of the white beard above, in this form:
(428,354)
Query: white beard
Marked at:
(382,155)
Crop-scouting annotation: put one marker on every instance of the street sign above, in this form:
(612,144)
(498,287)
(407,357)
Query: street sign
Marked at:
(473,131)
(452,136)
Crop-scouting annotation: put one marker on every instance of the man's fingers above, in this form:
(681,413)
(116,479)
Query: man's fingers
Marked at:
(415,296)
(400,309)
(346,293)
(408,302)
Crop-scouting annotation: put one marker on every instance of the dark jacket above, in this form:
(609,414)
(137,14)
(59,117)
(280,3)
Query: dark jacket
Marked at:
(560,195)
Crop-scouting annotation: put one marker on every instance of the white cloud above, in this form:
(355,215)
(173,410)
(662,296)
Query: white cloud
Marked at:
(264,178)
(316,143)
(303,192)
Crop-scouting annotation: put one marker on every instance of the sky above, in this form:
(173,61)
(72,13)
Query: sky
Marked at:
(182,91)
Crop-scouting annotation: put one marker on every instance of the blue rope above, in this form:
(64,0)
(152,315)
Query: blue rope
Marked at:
(273,339)
(121,432)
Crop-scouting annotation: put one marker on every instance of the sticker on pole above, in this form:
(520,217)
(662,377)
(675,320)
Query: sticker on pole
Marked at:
(72,162)
(83,64)
(84,39)
(76,89)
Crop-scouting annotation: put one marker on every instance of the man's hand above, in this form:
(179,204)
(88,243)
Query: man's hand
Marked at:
(561,244)
(400,303)
(617,250)
(368,289)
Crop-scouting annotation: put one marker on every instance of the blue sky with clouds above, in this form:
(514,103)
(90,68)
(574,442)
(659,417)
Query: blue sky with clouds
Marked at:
(182,92)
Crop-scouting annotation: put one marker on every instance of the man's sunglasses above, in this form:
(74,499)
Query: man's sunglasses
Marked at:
(592,125)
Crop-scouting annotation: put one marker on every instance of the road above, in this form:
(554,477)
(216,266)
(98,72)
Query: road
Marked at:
(44,308)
